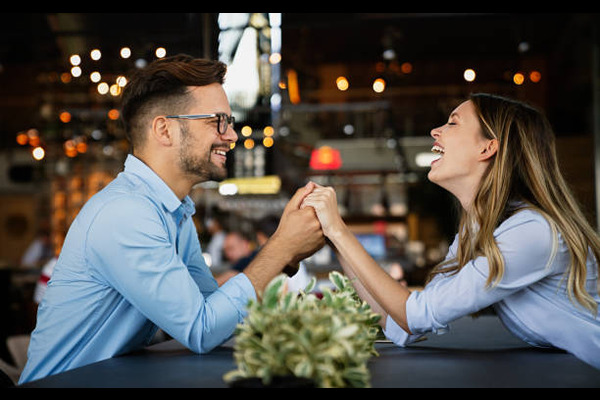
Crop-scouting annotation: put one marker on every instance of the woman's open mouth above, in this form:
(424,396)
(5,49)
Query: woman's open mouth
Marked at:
(438,151)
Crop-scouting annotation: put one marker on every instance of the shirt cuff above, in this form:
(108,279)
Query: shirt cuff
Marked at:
(397,335)
(419,315)
(240,291)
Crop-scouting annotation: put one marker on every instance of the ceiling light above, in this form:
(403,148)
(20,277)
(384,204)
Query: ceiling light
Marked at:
(96,54)
(75,59)
(125,52)
(95,76)
(76,72)
(379,85)
(469,75)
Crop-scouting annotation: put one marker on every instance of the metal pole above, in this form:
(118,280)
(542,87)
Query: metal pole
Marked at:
(276,44)
(596,117)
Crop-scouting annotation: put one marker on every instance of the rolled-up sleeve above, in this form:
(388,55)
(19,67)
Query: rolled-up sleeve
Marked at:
(140,261)
(526,245)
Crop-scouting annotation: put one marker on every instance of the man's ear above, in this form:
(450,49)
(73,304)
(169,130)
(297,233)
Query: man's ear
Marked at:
(162,131)
(490,149)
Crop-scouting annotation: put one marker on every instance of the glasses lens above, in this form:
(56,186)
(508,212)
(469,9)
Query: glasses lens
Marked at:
(224,122)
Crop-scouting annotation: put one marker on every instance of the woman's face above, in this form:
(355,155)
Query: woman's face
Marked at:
(462,149)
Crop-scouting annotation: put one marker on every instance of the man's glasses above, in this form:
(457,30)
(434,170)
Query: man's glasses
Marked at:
(223,120)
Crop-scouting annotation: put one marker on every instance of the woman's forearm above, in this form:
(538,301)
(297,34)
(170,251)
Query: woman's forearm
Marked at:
(381,291)
(363,293)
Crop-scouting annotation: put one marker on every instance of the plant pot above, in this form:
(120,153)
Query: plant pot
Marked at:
(288,381)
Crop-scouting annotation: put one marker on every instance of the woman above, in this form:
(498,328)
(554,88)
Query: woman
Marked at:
(522,246)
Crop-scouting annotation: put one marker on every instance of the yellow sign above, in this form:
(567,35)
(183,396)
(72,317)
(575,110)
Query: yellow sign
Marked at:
(251,185)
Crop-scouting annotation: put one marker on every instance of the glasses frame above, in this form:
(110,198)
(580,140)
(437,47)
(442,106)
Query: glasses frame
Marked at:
(221,129)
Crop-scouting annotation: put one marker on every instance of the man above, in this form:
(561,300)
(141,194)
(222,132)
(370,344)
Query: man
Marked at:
(131,262)
(239,251)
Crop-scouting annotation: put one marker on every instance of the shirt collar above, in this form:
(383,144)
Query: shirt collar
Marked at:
(160,189)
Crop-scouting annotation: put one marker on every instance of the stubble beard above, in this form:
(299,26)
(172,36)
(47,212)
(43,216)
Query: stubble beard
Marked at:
(198,166)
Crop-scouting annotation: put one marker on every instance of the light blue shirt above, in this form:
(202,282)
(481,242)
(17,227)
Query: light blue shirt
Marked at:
(531,300)
(131,262)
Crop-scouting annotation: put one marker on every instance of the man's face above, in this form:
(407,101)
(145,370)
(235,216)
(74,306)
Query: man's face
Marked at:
(203,151)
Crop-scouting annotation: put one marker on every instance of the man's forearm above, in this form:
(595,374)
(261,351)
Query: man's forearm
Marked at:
(267,264)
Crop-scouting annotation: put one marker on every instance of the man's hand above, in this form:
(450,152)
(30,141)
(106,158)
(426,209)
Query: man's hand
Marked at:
(298,236)
(299,231)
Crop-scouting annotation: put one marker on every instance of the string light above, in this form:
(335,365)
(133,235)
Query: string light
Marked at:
(103,88)
(76,72)
(96,54)
(342,83)
(249,144)
(268,142)
(75,60)
(518,78)
(246,131)
(125,52)
(38,153)
(275,58)
(160,52)
(268,131)
(378,85)
(95,77)
(469,75)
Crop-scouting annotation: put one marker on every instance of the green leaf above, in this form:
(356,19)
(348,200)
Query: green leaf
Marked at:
(347,331)
(311,285)
(337,279)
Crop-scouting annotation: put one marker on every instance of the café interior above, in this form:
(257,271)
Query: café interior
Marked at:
(343,99)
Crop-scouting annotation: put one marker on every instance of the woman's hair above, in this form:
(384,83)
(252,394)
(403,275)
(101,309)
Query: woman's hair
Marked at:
(162,87)
(524,171)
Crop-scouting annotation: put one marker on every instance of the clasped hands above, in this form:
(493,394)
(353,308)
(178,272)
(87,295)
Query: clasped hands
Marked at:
(310,216)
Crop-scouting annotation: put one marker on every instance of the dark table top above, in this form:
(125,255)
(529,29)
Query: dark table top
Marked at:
(475,353)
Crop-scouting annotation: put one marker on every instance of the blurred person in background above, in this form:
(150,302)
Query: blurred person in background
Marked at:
(131,262)
(214,248)
(40,251)
(238,250)
(523,245)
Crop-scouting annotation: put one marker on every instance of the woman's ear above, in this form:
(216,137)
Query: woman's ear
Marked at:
(162,131)
(490,149)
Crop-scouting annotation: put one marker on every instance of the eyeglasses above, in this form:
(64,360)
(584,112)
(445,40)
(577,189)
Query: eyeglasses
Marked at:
(223,120)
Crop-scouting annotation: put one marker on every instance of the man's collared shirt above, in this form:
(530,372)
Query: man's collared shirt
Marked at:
(131,262)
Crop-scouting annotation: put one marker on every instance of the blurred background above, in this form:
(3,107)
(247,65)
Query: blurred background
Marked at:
(344,99)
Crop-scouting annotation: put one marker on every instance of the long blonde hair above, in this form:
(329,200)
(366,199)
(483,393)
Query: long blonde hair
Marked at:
(524,171)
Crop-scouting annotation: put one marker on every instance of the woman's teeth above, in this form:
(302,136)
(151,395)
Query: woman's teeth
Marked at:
(438,151)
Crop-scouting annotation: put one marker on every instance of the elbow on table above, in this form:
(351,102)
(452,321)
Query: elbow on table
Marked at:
(204,344)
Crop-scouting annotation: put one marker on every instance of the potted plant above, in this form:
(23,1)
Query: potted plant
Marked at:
(323,341)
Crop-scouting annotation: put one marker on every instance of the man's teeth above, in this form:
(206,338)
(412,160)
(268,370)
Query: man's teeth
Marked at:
(220,152)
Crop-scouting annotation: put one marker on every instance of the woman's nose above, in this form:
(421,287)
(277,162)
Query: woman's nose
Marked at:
(435,132)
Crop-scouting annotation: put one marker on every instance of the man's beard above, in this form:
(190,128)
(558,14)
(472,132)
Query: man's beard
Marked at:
(199,166)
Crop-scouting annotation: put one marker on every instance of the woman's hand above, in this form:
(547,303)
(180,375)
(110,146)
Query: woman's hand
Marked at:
(323,200)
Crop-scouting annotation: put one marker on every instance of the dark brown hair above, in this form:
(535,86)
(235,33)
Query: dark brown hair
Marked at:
(162,87)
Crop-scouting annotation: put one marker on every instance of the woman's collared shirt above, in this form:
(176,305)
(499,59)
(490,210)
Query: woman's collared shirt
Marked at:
(531,299)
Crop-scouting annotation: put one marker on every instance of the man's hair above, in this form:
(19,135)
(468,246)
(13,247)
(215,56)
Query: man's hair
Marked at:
(162,87)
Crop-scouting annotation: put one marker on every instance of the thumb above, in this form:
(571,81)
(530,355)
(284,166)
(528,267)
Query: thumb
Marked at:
(296,200)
